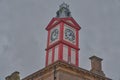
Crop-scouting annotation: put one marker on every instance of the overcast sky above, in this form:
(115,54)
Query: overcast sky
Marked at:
(23,36)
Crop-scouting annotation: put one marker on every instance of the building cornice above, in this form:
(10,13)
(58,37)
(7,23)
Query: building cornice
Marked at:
(61,64)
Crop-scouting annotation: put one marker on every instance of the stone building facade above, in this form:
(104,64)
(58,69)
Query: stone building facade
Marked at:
(64,71)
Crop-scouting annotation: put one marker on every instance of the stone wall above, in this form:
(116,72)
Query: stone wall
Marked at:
(13,76)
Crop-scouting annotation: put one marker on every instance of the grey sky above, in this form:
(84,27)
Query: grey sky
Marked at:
(23,36)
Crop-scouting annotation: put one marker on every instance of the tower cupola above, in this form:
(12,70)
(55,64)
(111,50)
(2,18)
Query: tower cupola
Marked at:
(63,11)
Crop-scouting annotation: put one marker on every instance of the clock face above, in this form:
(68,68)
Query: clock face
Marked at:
(54,35)
(69,34)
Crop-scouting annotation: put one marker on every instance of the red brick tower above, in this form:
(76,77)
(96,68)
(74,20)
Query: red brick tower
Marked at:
(63,38)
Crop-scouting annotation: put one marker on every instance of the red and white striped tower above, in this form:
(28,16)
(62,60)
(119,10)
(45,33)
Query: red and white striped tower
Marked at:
(63,38)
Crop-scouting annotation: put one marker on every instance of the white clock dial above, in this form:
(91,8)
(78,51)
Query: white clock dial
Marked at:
(54,34)
(69,34)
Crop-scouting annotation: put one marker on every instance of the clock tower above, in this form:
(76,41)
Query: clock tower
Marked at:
(62,53)
(63,38)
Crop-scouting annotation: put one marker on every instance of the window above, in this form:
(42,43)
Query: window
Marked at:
(50,56)
(56,54)
(65,53)
(73,56)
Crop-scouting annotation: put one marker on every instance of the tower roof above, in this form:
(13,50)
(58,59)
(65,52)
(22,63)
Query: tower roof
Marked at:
(63,11)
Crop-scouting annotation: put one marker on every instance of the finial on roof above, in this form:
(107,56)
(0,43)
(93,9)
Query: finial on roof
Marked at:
(63,11)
